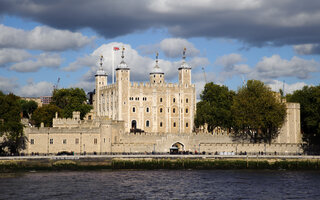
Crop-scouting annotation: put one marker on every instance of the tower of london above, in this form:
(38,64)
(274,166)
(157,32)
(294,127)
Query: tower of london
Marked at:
(156,106)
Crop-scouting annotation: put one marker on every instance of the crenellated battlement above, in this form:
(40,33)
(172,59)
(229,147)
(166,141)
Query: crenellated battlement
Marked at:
(142,85)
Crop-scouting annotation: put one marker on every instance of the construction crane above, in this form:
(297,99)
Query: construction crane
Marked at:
(55,87)
(204,74)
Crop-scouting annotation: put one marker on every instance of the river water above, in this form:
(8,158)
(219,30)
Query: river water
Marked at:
(162,184)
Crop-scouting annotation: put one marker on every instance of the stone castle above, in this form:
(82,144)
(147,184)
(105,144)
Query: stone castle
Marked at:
(131,117)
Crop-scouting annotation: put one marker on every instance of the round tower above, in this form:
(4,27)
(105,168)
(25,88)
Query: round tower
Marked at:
(123,84)
(157,75)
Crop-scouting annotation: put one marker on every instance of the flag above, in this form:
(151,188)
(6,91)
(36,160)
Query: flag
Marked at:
(116,48)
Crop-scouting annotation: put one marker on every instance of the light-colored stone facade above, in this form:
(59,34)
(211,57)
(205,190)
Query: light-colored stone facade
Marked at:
(164,111)
(156,107)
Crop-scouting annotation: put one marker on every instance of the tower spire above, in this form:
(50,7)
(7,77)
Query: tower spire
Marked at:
(101,58)
(157,56)
(184,54)
(122,55)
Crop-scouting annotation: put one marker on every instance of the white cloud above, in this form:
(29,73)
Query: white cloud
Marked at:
(33,65)
(140,66)
(229,61)
(41,38)
(86,61)
(8,85)
(36,89)
(12,55)
(276,85)
(307,49)
(275,67)
(173,47)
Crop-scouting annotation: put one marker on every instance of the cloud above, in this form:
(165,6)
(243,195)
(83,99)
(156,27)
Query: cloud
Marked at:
(8,85)
(307,49)
(86,61)
(36,89)
(171,47)
(254,22)
(140,66)
(276,85)
(275,67)
(229,61)
(41,38)
(42,60)
(8,56)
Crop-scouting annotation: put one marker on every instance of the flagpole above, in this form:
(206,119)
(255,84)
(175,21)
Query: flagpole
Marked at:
(112,65)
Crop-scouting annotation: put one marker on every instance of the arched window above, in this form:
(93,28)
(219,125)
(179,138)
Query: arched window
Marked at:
(174,124)
(133,109)
(174,110)
(160,99)
(147,123)
(147,110)
(187,100)
(187,125)
(160,124)
(174,100)
(160,110)
(187,110)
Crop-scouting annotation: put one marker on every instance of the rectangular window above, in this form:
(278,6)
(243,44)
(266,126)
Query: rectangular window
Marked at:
(51,141)
(32,141)
(95,141)
(64,141)
(77,141)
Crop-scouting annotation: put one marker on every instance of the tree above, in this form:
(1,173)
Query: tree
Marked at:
(309,99)
(11,129)
(258,114)
(28,107)
(214,109)
(45,114)
(69,100)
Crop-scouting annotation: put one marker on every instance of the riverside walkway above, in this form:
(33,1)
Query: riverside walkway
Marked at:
(161,156)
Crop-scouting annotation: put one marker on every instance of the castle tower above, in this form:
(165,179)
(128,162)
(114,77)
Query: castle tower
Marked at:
(184,71)
(156,76)
(101,80)
(123,85)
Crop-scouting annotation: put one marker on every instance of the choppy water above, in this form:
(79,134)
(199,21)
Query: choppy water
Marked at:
(214,184)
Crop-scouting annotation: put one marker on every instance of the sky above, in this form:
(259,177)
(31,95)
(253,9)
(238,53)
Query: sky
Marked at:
(228,42)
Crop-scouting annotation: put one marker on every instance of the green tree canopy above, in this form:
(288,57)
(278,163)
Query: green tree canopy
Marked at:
(214,109)
(258,114)
(309,99)
(69,100)
(10,125)
(28,107)
(45,114)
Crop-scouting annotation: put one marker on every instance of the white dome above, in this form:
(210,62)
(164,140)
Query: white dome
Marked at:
(101,72)
(185,65)
(156,70)
(123,65)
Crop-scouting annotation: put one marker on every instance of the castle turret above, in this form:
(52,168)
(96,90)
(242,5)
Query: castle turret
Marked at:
(123,84)
(184,71)
(156,76)
(101,80)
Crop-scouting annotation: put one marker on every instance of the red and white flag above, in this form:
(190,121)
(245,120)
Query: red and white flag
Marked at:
(116,48)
